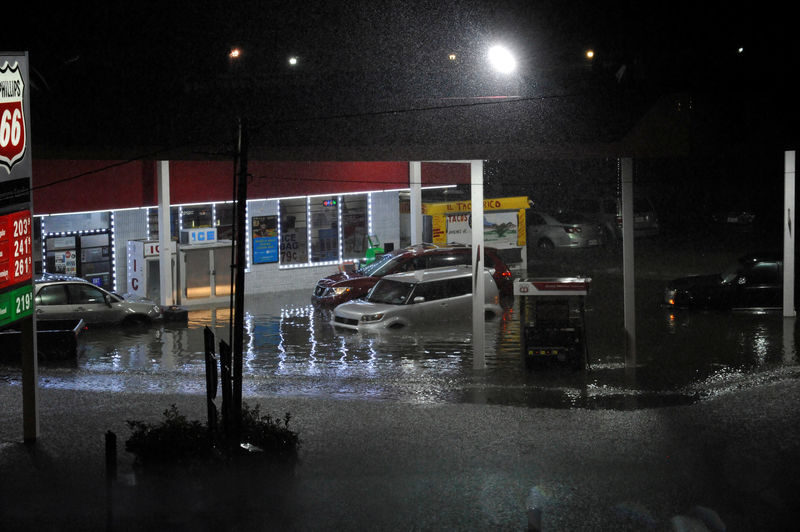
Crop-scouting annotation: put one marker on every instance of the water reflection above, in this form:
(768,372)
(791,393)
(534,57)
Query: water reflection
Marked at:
(292,349)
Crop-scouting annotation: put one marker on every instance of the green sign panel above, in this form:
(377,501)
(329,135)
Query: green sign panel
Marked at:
(16,304)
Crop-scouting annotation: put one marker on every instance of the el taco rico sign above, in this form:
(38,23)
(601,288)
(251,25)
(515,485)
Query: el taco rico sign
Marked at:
(12,115)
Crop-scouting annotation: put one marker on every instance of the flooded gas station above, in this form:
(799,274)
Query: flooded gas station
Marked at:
(291,349)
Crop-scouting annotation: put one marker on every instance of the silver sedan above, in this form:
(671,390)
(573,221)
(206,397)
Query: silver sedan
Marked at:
(563,230)
(62,299)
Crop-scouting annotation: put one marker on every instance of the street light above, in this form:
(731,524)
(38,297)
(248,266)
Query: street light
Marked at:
(501,59)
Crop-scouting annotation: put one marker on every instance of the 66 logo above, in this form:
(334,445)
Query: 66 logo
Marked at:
(12,116)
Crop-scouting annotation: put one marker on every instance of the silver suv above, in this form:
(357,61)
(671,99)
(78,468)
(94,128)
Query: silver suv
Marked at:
(60,298)
(415,298)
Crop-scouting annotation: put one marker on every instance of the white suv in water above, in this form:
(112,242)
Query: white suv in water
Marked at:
(420,297)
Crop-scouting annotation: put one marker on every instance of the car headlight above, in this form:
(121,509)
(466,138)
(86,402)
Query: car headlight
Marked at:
(339,290)
(372,317)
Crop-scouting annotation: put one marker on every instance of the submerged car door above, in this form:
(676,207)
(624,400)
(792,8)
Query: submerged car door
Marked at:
(759,286)
(91,304)
(428,306)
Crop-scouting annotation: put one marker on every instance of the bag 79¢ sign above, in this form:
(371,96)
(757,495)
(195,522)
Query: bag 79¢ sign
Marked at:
(12,115)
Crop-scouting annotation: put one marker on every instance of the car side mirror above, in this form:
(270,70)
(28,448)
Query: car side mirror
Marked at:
(107,299)
(419,299)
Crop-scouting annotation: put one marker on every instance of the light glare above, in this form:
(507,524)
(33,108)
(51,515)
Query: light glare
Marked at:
(501,59)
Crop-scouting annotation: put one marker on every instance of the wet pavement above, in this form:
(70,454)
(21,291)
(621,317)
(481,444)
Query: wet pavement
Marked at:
(291,349)
(401,433)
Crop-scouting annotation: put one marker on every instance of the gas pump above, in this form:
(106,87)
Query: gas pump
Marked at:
(553,320)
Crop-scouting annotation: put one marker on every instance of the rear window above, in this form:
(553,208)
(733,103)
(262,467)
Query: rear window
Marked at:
(569,218)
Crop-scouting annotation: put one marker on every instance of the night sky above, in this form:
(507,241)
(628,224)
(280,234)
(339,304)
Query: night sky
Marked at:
(146,73)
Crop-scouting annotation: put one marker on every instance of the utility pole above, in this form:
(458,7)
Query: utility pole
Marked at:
(241,259)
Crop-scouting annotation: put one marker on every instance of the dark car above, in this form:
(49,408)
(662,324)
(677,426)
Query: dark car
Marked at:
(340,287)
(755,281)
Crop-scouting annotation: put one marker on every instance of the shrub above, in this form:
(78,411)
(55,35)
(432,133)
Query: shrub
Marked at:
(272,436)
(177,440)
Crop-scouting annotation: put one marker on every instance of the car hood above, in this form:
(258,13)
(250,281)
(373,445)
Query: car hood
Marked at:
(360,307)
(341,278)
(696,281)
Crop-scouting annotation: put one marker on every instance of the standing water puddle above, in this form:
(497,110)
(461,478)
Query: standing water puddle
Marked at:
(291,349)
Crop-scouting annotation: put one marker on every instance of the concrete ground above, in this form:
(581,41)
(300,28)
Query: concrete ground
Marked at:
(367,465)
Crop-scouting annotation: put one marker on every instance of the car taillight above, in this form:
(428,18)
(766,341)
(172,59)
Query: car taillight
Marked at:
(572,230)
(506,274)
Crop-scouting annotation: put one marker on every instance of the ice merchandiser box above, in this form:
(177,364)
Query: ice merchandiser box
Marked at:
(144,268)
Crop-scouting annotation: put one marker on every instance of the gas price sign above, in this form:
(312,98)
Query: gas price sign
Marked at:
(16,243)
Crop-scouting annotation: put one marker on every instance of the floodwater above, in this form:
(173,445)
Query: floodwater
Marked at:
(291,349)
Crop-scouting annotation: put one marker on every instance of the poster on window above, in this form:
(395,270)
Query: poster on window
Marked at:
(66,262)
(499,229)
(265,239)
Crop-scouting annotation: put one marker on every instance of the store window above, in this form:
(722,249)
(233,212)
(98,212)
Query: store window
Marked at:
(324,230)
(197,216)
(86,255)
(355,226)
(224,221)
(294,231)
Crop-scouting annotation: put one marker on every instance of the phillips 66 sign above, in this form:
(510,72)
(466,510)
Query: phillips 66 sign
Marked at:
(12,115)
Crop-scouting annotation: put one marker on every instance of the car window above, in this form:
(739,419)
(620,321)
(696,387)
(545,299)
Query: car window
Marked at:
(55,294)
(448,259)
(535,219)
(459,287)
(762,273)
(569,218)
(82,294)
(381,266)
(389,291)
(431,291)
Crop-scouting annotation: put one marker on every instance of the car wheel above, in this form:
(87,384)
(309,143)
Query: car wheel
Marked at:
(545,243)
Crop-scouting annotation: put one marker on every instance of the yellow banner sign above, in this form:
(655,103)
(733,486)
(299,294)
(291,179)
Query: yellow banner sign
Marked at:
(494,204)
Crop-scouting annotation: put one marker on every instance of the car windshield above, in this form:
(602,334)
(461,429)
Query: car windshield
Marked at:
(391,292)
(380,267)
(730,274)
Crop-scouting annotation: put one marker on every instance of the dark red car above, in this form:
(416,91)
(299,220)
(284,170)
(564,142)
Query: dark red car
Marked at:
(341,287)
